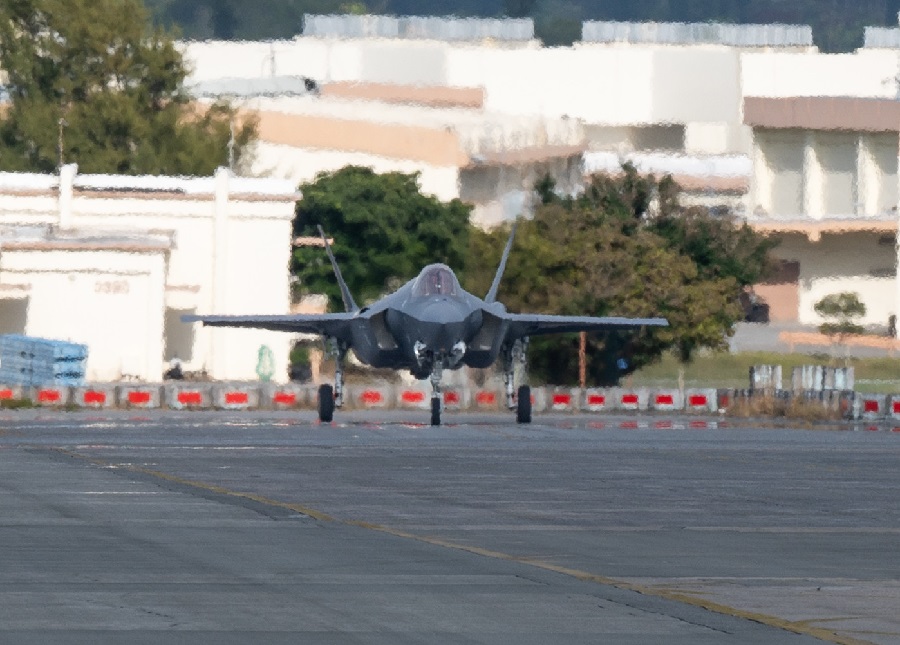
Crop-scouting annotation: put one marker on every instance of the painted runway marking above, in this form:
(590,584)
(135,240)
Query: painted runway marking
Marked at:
(676,595)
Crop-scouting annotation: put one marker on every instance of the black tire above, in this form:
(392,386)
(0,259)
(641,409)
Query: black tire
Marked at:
(326,403)
(435,412)
(523,404)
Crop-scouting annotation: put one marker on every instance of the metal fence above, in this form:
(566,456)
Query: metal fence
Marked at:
(676,33)
(418,27)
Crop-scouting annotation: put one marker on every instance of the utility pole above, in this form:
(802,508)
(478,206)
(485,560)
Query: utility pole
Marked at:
(59,143)
(231,147)
(582,359)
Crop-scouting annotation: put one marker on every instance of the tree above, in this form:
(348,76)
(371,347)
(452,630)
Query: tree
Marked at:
(840,310)
(384,232)
(91,82)
(614,250)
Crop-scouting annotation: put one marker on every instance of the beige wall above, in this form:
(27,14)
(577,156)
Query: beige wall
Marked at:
(861,262)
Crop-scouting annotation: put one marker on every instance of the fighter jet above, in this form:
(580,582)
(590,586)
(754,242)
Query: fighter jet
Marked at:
(428,325)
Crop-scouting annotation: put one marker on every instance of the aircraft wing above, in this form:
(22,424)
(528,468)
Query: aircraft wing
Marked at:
(521,325)
(336,325)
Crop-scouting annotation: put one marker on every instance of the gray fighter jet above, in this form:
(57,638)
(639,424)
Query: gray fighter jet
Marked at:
(426,326)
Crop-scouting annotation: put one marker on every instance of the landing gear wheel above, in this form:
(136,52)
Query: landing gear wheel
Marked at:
(523,404)
(435,411)
(326,403)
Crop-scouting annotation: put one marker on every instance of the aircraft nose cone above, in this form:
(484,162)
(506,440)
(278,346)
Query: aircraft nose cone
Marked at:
(442,324)
(442,310)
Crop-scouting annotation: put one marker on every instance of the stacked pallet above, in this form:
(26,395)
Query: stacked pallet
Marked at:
(27,360)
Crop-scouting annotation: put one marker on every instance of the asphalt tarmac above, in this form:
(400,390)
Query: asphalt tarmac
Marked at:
(189,527)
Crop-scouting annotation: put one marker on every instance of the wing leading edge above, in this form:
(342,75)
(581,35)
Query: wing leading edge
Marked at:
(336,325)
(521,325)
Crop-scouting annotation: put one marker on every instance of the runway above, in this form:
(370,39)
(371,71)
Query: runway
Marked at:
(180,527)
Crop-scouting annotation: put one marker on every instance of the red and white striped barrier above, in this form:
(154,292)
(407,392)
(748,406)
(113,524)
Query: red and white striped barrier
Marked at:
(11,392)
(489,399)
(187,396)
(284,396)
(138,396)
(235,397)
(95,396)
(665,400)
(597,400)
(371,396)
(631,398)
(50,395)
(873,406)
(700,400)
(563,400)
(457,398)
(894,407)
(412,396)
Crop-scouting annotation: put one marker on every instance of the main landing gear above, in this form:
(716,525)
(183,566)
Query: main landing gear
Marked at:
(331,398)
(518,400)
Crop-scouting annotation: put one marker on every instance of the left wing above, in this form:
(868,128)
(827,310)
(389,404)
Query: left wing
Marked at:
(335,325)
(521,325)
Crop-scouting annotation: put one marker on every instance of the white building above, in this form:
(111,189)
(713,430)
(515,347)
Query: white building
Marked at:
(824,180)
(114,261)
(480,109)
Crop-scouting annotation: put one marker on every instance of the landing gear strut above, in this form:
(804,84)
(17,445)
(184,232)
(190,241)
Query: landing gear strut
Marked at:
(437,399)
(518,400)
(331,398)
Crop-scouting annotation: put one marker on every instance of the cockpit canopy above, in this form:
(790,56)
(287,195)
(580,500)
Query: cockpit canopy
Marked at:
(436,280)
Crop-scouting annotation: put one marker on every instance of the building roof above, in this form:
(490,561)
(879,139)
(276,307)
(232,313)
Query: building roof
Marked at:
(823,113)
(419,27)
(151,186)
(676,33)
(51,238)
(815,228)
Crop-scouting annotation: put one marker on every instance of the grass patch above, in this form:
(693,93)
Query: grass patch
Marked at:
(873,375)
(16,404)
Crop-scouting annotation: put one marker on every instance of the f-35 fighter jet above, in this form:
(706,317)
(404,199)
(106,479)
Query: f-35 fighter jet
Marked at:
(426,326)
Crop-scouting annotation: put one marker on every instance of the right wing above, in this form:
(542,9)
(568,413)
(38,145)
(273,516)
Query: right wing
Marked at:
(334,325)
(521,325)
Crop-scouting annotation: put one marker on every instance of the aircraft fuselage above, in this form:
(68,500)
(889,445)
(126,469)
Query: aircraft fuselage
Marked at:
(417,326)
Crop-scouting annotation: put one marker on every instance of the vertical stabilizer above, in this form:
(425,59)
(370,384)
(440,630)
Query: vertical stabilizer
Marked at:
(495,285)
(349,304)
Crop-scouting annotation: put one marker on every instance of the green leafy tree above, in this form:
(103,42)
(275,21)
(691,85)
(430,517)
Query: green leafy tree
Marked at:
(384,232)
(94,76)
(604,253)
(840,311)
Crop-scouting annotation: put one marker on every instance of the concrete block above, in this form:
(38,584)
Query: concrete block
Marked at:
(457,398)
(665,400)
(134,395)
(276,396)
(53,396)
(597,399)
(631,398)
(562,399)
(95,396)
(190,396)
(701,400)
(371,396)
(413,396)
(489,399)
(238,396)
